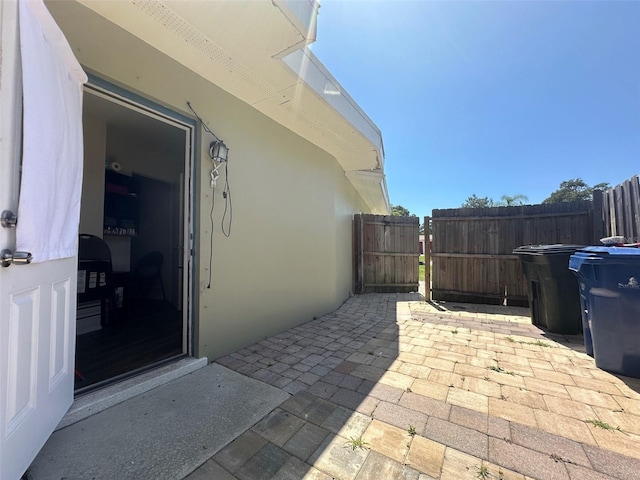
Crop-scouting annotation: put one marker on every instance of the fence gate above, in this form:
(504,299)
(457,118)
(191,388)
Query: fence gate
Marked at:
(386,253)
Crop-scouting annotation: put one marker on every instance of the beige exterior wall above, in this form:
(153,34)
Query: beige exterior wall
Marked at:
(288,258)
(347,203)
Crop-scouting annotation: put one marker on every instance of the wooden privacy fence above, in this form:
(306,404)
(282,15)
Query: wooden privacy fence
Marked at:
(385,253)
(621,210)
(472,247)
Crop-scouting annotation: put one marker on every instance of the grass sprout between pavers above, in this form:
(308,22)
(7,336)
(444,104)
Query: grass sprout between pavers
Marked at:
(603,425)
(499,369)
(411,430)
(483,472)
(357,443)
(538,343)
(557,458)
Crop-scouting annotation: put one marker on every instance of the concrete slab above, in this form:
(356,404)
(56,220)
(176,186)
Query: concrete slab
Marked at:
(100,400)
(164,433)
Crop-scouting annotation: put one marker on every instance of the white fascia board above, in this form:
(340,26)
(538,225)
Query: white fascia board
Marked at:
(303,14)
(372,186)
(315,75)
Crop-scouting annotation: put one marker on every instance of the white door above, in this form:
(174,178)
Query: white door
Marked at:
(37,301)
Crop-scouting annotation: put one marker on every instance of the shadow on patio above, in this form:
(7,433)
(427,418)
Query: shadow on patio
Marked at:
(389,386)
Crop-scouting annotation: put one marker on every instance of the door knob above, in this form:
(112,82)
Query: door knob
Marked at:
(7,257)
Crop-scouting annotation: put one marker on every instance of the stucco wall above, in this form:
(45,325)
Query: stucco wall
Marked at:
(347,202)
(288,258)
(289,255)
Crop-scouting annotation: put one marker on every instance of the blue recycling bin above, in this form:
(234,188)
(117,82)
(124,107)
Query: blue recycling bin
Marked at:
(586,279)
(609,284)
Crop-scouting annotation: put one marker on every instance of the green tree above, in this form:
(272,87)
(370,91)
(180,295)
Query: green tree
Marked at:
(478,202)
(510,200)
(573,190)
(400,211)
(505,201)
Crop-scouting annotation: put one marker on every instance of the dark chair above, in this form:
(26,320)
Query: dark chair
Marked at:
(148,272)
(95,274)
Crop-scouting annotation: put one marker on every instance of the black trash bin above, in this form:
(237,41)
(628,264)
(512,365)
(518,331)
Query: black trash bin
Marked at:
(554,299)
(610,287)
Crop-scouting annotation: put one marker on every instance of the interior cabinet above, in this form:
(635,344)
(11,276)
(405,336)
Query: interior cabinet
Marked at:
(120,205)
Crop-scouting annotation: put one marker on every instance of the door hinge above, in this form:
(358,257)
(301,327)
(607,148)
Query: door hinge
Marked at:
(8,219)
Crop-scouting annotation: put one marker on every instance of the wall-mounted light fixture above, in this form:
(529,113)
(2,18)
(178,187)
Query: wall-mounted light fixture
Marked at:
(219,154)
(218,151)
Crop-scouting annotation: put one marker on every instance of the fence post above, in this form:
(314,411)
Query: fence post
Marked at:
(598,219)
(427,260)
(360,254)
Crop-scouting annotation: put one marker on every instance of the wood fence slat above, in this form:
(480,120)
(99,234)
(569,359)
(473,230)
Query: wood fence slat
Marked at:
(621,206)
(597,219)
(427,259)
(389,262)
(612,212)
(635,207)
(605,215)
(472,255)
(619,210)
(378,245)
(395,254)
(627,208)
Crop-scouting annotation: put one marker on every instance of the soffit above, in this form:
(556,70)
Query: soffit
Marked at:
(236,45)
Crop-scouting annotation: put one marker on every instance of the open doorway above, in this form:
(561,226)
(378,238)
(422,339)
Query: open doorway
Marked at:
(133,305)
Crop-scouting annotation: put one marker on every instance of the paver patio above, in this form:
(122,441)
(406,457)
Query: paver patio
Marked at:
(391,387)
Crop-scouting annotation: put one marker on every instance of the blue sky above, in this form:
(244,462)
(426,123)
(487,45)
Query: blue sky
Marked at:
(491,98)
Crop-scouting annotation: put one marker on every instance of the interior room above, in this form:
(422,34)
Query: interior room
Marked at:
(131,304)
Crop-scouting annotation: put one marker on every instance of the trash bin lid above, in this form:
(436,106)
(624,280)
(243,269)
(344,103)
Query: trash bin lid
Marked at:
(558,248)
(577,259)
(598,254)
(602,251)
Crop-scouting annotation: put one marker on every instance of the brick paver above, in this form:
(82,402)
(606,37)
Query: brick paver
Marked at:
(392,387)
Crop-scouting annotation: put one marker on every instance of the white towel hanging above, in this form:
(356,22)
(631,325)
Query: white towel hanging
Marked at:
(52,156)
